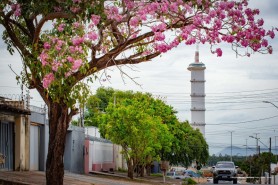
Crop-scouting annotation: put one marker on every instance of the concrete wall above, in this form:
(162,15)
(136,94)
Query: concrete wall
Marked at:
(101,156)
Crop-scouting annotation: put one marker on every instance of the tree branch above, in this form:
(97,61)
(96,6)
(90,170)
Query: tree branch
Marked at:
(50,16)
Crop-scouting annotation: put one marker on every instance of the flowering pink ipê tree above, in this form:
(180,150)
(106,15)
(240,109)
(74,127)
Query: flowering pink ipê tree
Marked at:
(64,42)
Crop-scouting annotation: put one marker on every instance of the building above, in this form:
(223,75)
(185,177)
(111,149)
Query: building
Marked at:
(198,94)
(14,134)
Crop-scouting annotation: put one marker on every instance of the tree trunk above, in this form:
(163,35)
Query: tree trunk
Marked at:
(149,169)
(58,124)
(130,169)
(142,170)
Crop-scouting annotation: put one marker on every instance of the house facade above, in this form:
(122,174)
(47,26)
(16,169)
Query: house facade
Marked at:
(14,134)
(24,137)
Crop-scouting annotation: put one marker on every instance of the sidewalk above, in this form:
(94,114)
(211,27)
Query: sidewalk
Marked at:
(97,178)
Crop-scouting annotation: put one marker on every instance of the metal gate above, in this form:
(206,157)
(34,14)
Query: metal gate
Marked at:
(7,145)
(34,147)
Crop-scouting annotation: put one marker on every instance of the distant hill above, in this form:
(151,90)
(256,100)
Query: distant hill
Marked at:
(237,151)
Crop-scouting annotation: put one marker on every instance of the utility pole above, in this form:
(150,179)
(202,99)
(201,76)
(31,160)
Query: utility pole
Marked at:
(246,149)
(231,145)
(269,168)
(257,142)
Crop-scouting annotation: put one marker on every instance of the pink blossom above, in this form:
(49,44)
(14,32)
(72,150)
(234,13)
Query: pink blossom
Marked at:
(78,49)
(264,43)
(43,58)
(212,13)
(92,35)
(129,4)
(48,79)
(244,43)
(134,21)
(68,73)
(190,41)
(76,24)
(75,9)
(199,2)
(61,27)
(70,59)
(72,49)
(76,64)
(163,48)
(175,43)
(113,14)
(270,49)
(260,22)
(95,19)
(158,36)
(218,52)
(46,46)
(55,66)
(174,7)
(77,40)
(271,34)
(161,27)
(17,9)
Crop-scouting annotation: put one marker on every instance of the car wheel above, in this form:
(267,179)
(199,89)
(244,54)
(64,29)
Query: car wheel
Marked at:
(215,181)
(235,181)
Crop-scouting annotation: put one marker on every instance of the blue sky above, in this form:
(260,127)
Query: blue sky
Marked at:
(235,86)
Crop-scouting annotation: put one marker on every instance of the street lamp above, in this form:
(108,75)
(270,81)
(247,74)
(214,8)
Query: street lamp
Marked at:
(271,103)
(270,142)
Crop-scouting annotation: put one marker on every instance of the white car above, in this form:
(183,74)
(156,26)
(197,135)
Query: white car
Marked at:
(176,175)
(226,171)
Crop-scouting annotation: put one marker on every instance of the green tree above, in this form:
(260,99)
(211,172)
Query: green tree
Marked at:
(133,124)
(258,164)
(96,105)
(188,145)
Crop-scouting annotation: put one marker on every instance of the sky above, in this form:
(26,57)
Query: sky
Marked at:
(235,87)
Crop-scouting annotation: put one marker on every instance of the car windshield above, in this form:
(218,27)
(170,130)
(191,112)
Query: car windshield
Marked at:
(225,165)
(170,174)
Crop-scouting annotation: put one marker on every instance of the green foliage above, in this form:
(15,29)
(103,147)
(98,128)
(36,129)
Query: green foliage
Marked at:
(257,164)
(134,124)
(119,107)
(188,181)
(96,105)
(74,122)
(188,145)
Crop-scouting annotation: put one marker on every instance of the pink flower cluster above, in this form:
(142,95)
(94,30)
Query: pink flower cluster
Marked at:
(113,13)
(229,21)
(17,9)
(47,80)
(95,19)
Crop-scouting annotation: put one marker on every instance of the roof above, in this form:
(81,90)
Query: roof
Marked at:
(98,139)
(13,109)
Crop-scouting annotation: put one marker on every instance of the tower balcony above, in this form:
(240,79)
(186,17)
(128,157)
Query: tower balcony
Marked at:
(197,124)
(197,95)
(197,109)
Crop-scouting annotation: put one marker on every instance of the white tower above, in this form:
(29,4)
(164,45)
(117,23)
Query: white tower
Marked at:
(198,93)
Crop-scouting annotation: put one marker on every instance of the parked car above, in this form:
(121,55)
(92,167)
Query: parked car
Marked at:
(176,175)
(224,170)
(191,173)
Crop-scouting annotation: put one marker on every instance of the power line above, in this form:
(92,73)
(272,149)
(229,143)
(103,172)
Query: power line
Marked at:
(245,121)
